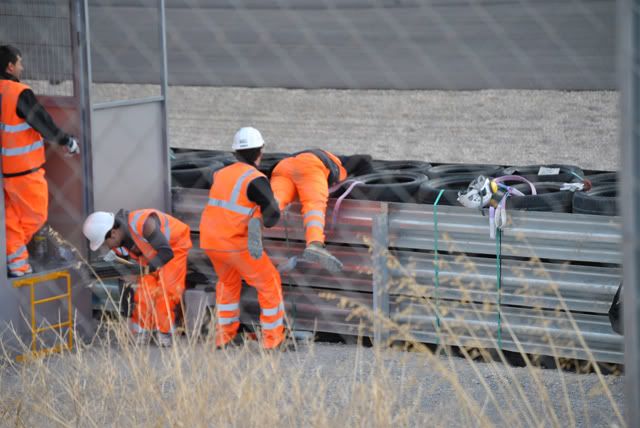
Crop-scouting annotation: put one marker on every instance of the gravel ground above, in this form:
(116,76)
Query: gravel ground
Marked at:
(418,381)
(498,126)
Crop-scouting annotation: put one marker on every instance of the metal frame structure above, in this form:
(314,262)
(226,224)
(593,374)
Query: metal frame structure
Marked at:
(72,186)
(629,69)
(147,190)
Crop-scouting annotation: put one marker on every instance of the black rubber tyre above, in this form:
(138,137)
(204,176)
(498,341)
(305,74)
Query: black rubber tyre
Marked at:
(549,197)
(568,173)
(600,200)
(269,161)
(191,163)
(195,178)
(386,186)
(603,178)
(453,184)
(401,166)
(463,169)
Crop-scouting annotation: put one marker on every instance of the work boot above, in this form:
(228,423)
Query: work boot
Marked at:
(254,241)
(237,342)
(142,338)
(316,253)
(20,273)
(287,345)
(164,340)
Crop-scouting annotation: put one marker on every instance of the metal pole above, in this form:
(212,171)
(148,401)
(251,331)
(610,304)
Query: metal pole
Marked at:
(164,85)
(81,46)
(628,58)
(380,235)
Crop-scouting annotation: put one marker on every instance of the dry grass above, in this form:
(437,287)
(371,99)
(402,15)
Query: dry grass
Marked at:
(113,382)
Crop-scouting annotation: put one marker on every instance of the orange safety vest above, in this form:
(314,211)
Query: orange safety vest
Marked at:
(224,222)
(176,232)
(22,146)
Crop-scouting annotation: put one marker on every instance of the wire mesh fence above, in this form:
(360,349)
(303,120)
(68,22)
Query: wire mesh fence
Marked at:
(380,78)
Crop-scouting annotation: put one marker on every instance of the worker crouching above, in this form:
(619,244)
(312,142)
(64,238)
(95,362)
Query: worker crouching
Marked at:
(308,176)
(241,199)
(161,244)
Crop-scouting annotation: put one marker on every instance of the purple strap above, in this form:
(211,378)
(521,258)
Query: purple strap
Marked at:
(336,207)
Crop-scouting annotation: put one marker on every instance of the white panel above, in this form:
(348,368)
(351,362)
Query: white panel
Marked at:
(129,157)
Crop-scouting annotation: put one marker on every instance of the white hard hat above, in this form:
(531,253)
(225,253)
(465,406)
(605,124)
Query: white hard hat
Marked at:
(96,226)
(477,195)
(247,138)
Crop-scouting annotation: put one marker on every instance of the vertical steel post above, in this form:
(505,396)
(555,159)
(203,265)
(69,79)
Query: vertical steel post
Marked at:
(628,63)
(164,85)
(380,253)
(81,48)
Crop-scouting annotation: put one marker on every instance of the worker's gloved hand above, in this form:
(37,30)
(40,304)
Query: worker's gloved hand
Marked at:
(72,146)
(255,238)
(110,257)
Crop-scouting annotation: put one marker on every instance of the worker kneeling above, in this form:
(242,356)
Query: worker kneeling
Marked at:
(157,241)
(230,234)
(309,174)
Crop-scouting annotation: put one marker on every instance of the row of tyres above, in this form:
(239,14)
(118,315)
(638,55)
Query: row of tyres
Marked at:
(421,182)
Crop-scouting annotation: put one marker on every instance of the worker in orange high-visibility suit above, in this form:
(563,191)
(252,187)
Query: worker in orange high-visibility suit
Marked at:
(24,125)
(158,241)
(230,235)
(308,175)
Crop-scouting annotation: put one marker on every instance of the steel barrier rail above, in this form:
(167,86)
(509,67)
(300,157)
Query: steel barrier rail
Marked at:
(554,236)
(582,288)
(467,273)
(537,331)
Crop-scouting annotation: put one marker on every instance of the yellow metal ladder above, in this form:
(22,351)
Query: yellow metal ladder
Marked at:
(32,281)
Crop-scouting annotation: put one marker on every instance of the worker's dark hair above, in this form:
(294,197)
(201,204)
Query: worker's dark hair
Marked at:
(248,155)
(357,165)
(8,54)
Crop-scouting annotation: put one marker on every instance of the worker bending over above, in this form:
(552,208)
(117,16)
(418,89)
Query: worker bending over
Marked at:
(157,241)
(230,234)
(24,125)
(308,175)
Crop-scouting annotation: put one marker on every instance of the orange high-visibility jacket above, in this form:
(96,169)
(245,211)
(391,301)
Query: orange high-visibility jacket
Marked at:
(22,146)
(176,232)
(224,223)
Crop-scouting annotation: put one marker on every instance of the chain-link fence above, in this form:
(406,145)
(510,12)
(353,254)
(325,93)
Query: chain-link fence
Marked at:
(487,218)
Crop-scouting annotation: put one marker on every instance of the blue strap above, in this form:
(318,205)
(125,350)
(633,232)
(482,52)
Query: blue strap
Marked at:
(499,284)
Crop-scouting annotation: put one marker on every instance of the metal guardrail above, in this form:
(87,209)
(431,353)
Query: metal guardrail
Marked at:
(559,275)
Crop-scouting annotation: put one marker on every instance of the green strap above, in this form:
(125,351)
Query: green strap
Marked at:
(499,283)
(436,269)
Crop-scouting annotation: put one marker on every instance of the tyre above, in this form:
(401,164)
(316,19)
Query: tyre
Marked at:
(600,200)
(429,190)
(195,178)
(269,161)
(387,186)
(191,163)
(401,166)
(549,197)
(565,173)
(603,178)
(462,169)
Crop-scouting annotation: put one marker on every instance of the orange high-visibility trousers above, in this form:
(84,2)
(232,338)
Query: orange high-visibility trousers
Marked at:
(158,294)
(305,177)
(26,203)
(234,266)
